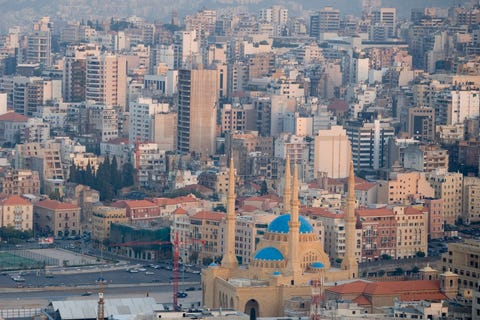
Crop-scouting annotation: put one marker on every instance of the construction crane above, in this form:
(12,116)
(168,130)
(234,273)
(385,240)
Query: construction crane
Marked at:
(176,259)
(317,298)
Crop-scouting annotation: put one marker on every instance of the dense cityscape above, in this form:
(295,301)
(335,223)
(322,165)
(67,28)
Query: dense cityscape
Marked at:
(246,160)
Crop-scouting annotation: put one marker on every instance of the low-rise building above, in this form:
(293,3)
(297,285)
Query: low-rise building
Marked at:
(20,181)
(103,217)
(16,212)
(60,219)
(207,234)
(464,260)
(139,210)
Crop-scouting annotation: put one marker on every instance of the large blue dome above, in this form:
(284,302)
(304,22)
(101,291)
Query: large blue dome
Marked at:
(280,224)
(269,254)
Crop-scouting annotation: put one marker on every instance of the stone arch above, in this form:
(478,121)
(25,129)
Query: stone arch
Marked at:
(231,303)
(252,309)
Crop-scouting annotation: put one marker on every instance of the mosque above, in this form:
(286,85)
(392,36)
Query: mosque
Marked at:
(287,260)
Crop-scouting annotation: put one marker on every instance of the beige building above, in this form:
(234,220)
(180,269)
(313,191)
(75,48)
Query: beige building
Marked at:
(164,130)
(103,217)
(60,219)
(471,200)
(448,187)
(332,150)
(16,212)
(206,231)
(412,231)
(106,80)
(287,259)
(404,188)
(425,158)
(248,230)
(334,235)
(197,110)
(463,259)
(42,157)
(20,181)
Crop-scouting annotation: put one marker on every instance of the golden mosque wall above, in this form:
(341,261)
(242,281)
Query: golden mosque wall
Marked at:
(286,261)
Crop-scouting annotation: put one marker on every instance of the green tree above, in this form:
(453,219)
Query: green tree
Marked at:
(420,254)
(263,188)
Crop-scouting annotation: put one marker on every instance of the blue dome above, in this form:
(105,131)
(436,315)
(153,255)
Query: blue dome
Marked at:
(280,224)
(213,264)
(268,253)
(276,273)
(317,265)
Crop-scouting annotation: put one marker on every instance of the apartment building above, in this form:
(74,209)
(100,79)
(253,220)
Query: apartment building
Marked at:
(16,212)
(448,187)
(206,229)
(471,200)
(59,219)
(103,217)
(462,258)
(404,187)
(411,231)
(20,181)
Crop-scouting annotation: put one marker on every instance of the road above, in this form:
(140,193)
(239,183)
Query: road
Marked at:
(38,289)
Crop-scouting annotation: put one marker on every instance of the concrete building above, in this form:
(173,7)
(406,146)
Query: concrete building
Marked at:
(103,217)
(150,163)
(386,17)
(142,114)
(425,158)
(462,259)
(16,212)
(74,71)
(12,127)
(44,158)
(325,20)
(106,80)
(164,130)
(58,219)
(369,143)
(471,200)
(20,182)
(331,149)
(404,188)
(448,187)
(197,108)
(421,124)
(39,43)
(206,230)
(139,210)
(435,218)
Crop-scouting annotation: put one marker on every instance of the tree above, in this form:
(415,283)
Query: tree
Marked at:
(263,188)
(386,257)
(420,254)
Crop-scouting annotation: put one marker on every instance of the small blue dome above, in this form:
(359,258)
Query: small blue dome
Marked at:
(269,254)
(213,264)
(317,265)
(280,224)
(276,273)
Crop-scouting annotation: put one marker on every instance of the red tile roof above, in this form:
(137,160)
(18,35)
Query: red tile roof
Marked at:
(134,204)
(180,210)
(374,212)
(13,117)
(56,205)
(409,290)
(364,186)
(362,301)
(206,215)
(13,200)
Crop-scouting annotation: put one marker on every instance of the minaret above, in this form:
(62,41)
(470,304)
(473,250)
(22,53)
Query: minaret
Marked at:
(229,258)
(349,262)
(293,263)
(287,192)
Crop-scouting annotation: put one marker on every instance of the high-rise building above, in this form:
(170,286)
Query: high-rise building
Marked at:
(106,80)
(74,71)
(39,43)
(448,187)
(369,143)
(332,150)
(142,113)
(421,124)
(325,20)
(386,17)
(197,110)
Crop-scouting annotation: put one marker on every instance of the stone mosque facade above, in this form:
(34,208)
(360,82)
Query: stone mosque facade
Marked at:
(287,260)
